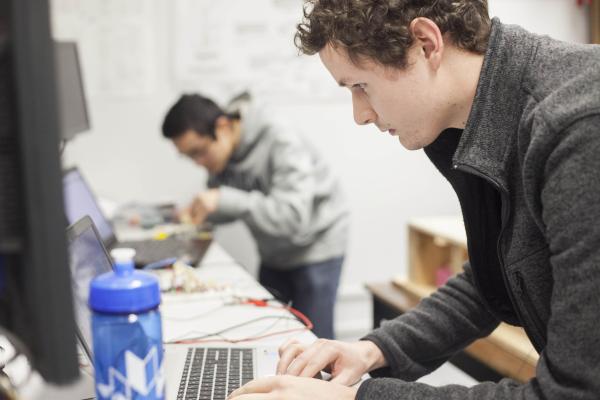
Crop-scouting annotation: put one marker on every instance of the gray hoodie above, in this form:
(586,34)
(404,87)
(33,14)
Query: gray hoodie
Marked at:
(285,193)
(533,136)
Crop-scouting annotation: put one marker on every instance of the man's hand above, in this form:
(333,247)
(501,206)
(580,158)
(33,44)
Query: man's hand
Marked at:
(346,362)
(292,388)
(204,203)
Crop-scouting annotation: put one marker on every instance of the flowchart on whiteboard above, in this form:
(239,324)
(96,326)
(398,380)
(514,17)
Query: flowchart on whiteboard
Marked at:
(222,47)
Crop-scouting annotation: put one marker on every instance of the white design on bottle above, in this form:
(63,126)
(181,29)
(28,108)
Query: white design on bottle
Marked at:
(135,377)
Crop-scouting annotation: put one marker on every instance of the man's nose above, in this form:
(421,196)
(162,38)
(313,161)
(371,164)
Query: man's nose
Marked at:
(363,113)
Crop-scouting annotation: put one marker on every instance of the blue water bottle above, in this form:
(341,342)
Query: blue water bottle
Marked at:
(127,332)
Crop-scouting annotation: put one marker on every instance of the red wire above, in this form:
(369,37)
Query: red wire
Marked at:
(305,320)
(308,325)
(297,313)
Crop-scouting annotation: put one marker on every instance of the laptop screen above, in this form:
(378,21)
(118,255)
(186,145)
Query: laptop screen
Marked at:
(88,259)
(80,201)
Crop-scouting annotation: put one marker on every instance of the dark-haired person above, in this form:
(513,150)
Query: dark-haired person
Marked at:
(262,173)
(512,120)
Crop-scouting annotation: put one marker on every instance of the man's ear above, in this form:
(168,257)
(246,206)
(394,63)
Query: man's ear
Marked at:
(429,39)
(222,124)
(222,121)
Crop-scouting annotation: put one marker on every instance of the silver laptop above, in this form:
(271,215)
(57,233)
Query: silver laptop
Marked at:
(80,201)
(209,373)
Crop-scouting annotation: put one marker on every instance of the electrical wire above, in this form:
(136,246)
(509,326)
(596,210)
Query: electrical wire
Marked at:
(232,341)
(248,339)
(220,333)
(265,303)
(197,316)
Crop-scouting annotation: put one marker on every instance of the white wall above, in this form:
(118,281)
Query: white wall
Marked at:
(561,19)
(125,158)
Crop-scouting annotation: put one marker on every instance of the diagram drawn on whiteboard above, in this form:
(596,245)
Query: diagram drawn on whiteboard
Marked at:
(222,47)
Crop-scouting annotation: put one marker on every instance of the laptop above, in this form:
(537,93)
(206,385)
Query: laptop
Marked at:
(80,201)
(209,373)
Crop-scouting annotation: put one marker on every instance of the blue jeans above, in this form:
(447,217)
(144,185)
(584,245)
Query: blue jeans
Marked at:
(311,288)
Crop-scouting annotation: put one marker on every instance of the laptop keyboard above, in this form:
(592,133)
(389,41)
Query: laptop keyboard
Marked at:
(158,249)
(213,373)
(148,251)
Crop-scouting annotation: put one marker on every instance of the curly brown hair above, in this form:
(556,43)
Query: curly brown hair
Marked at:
(379,29)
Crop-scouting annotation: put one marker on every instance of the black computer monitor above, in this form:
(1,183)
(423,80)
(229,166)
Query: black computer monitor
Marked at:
(72,102)
(35,288)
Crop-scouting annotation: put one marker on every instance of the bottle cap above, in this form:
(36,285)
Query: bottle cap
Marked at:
(124,290)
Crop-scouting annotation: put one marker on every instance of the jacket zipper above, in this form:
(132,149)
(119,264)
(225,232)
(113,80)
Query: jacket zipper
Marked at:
(504,220)
(527,303)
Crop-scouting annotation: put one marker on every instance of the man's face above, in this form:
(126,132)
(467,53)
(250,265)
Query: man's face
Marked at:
(401,102)
(212,154)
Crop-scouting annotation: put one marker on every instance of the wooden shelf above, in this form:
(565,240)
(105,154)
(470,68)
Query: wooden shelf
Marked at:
(437,250)
(433,244)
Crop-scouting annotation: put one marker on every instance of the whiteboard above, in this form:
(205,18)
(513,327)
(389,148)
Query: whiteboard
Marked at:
(116,43)
(223,47)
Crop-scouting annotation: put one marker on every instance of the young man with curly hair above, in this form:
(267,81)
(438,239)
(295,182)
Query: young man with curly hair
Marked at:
(512,121)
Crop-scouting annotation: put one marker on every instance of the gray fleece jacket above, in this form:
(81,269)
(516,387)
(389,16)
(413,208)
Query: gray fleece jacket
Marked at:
(279,186)
(533,135)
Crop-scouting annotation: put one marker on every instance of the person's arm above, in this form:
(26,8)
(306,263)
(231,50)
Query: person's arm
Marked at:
(286,209)
(419,341)
(569,366)
(407,347)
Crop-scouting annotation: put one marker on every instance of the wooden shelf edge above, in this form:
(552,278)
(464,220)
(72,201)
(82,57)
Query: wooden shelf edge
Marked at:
(415,289)
(453,238)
